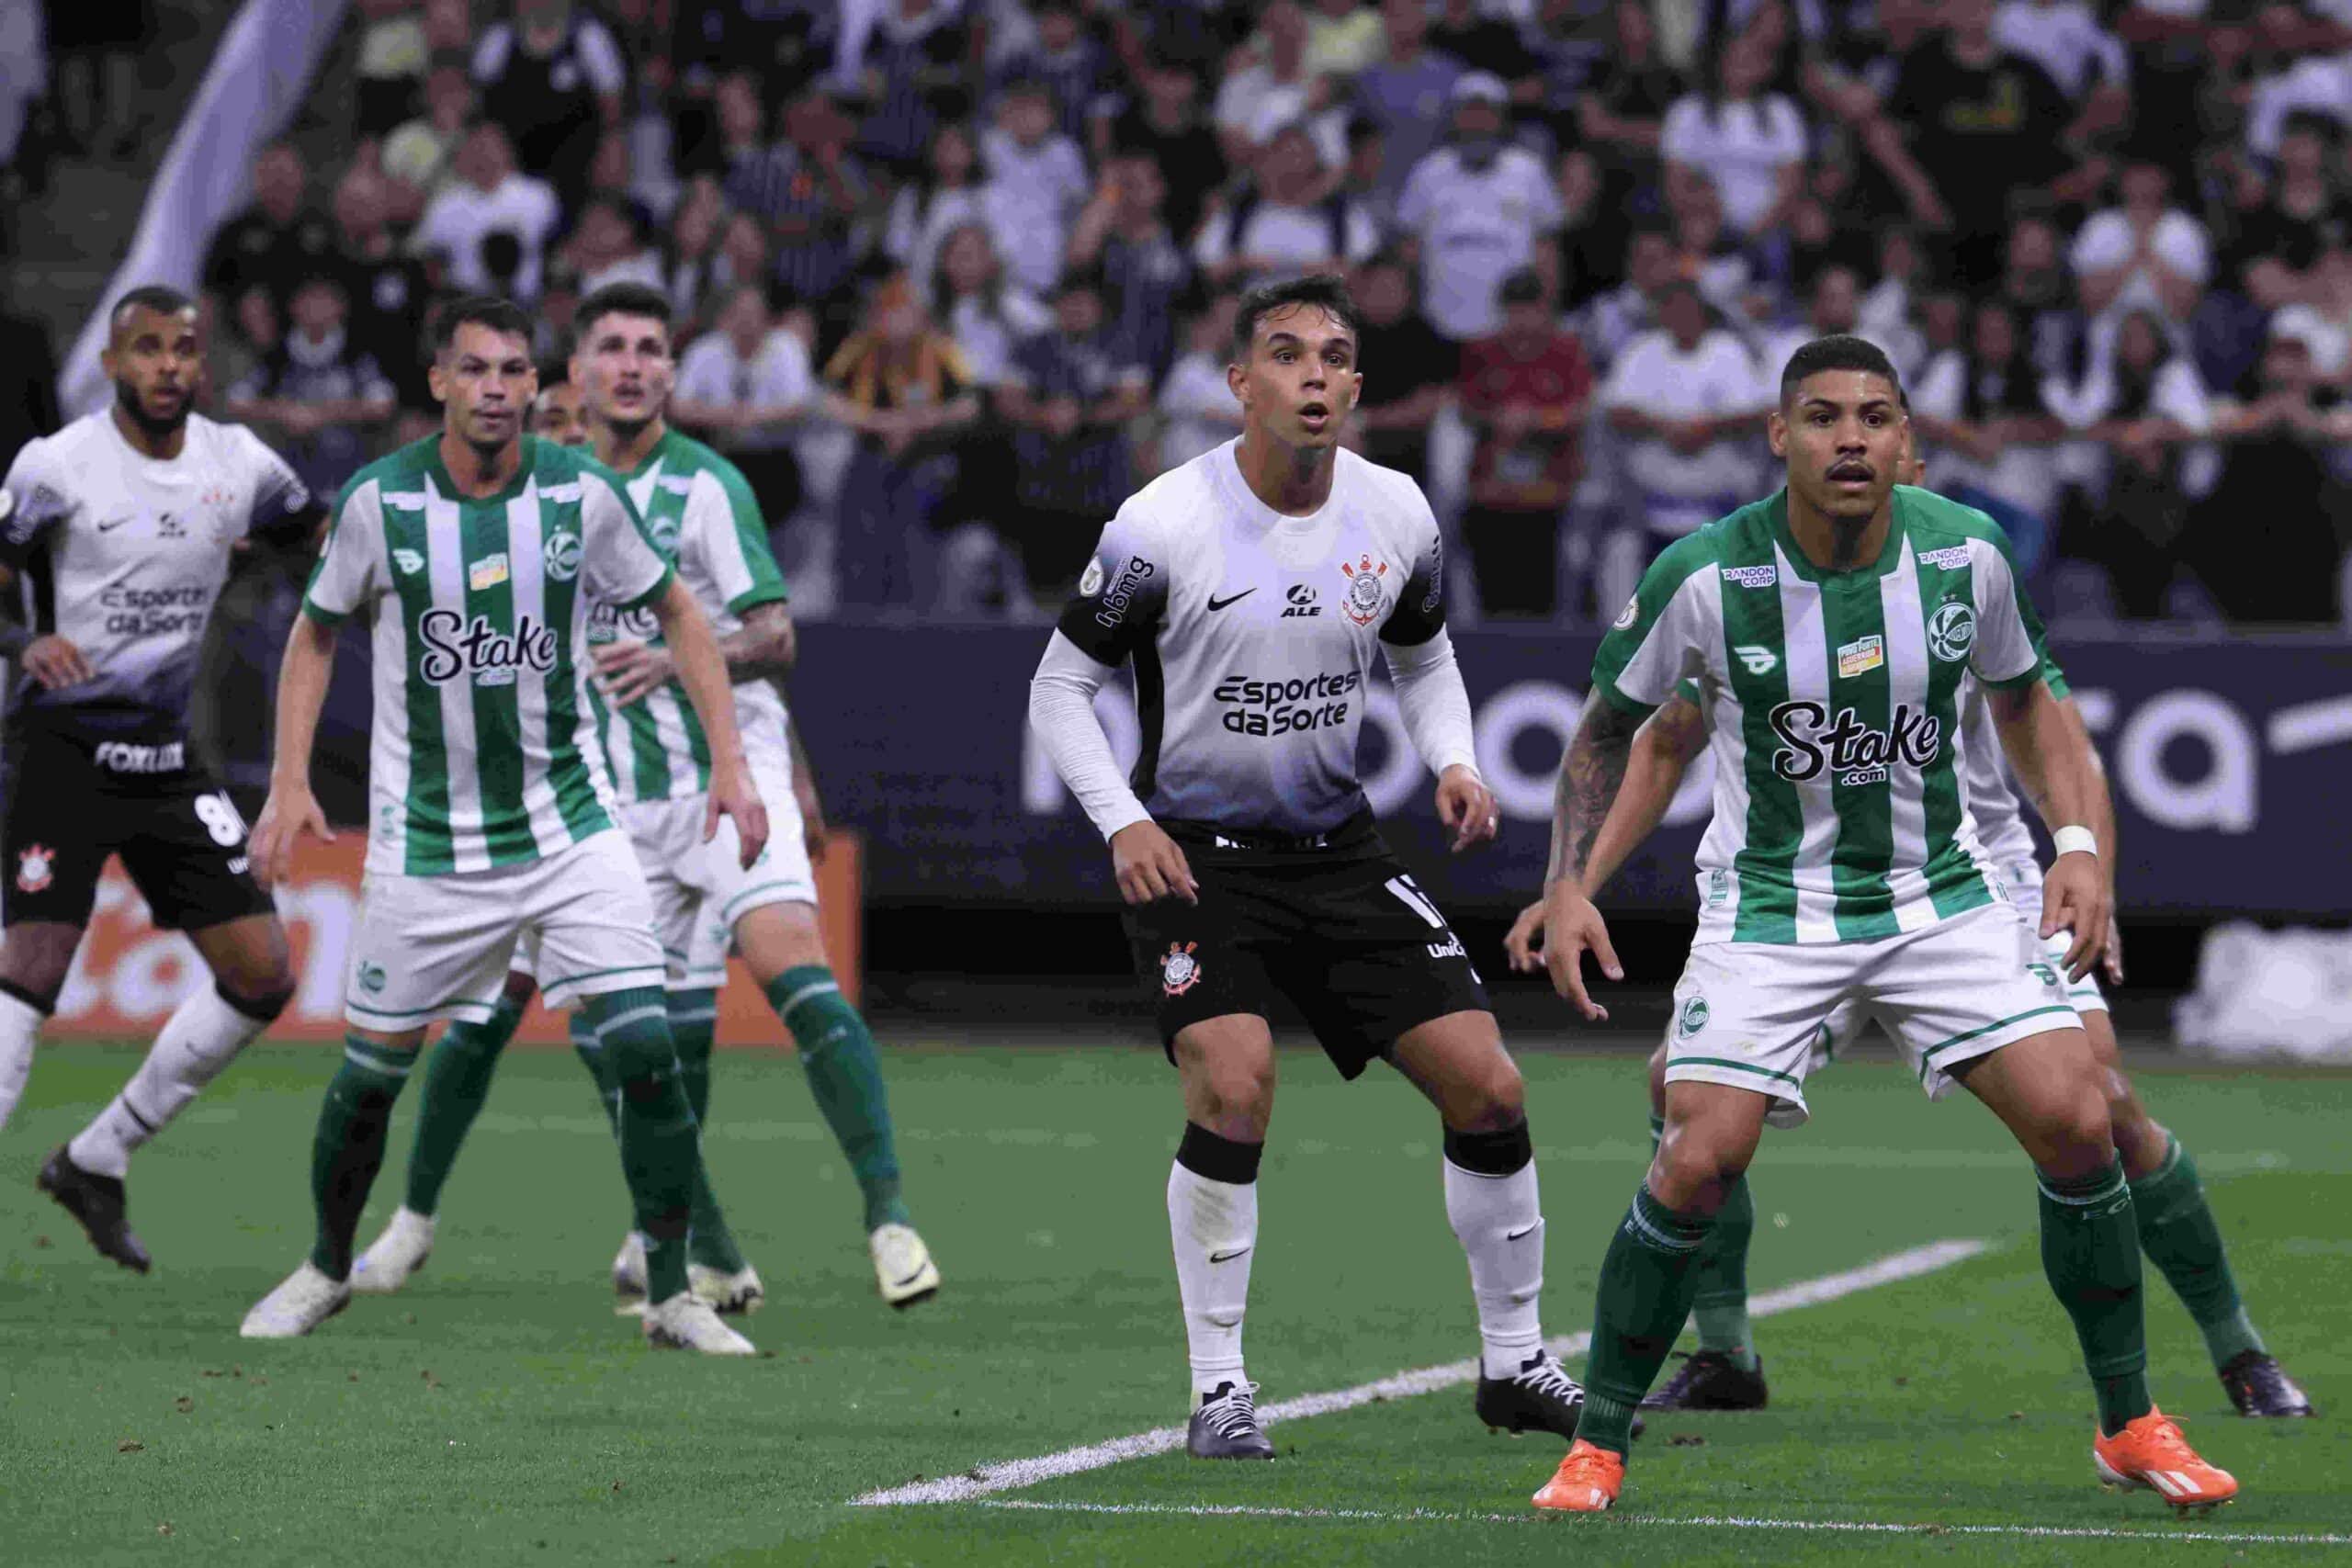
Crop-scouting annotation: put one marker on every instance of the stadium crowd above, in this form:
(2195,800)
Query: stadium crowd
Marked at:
(956,275)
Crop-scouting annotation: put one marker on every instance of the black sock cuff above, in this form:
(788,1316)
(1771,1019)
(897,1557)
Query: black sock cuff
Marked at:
(1205,1154)
(41,1005)
(1506,1153)
(261,1010)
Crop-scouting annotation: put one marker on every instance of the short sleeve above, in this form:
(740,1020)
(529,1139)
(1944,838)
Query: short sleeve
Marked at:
(1659,639)
(37,501)
(2007,649)
(730,538)
(2055,678)
(349,571)
(280,499)
(1122,594)
(619,561)
(1419,613)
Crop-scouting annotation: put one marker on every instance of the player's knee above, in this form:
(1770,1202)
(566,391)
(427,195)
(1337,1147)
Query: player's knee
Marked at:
(35,959)
(2077,1136)
(1658,1080)
(1240,1092)
(1694,1166)
(1494,1101)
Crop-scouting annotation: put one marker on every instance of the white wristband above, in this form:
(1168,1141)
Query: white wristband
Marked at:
(2067,840)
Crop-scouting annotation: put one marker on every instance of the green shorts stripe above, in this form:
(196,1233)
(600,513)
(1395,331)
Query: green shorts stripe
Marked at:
(1998,1023)
(1674,1062)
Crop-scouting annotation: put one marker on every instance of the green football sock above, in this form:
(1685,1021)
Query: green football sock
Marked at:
(457,1082)
(2177,1232)
(2090,1250)
(347,1149)
(694,1022)
(1647,1283)
(591,1056)
(659,1150)
(837,1053)
(1720,1306)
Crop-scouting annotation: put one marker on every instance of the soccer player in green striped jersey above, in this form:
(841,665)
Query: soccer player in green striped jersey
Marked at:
(1831,630)
(701,513)
(476,555)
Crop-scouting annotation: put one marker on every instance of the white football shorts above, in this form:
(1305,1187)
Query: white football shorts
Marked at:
(2025,889)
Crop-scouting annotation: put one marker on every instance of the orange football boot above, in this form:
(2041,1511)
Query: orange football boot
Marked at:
(2151,1452)
(1587,1481)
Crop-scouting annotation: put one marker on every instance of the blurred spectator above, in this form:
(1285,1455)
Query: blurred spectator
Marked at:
(1591,242)
(2321,320)
(1072,65)
(1834,308)
(1407,368)
(491,200)
(559,414)
(1042,175)
(1405,91)
(787,43)
(1889,304)
(1524,391)
(926,210)
(747,385)
(1198,411)
(904,387)
(315,390)
(418,153)
(553,77)
(737,150)
(1286,223)
(96,44)
(912,60)
(1481,41)
(30,379)
(1616,318)
(2142,254)
(812,192)
(2141,403)
(2284,439)
(2066,40)
(690,266)
(1706,250)
(1750,143)
(1164,124)
(24,74)
(1825,226)
(1342,37)
(1690,402)
(1624,109)
(1365,174)
(1992,431)
(2038,291)
(1477,207)
(1122,236)
(988,317)
(609,246)
(2317,85)
(388,286)
(392,63)
(2279,241)
(1276,90)
(277,241)
(1069,396)
(236,336)
(743,254)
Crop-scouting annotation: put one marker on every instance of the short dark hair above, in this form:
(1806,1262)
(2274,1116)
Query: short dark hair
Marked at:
(1328,289)
(1842,352)
(160,298)
(481,311)
(621,299)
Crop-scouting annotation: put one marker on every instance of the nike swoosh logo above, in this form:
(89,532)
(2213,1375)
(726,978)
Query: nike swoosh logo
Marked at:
(902,1284)
(1227,1257)
(112,523)
(1216,603)
(1514,1235)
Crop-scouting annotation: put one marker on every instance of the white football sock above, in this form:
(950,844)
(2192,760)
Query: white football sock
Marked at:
(199,1039)
(1499,1222)
(19,1027)
(1215,1226)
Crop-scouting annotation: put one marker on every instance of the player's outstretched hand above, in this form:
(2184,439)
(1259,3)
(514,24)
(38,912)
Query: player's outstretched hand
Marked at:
(630,672)
(1465,805)
(1148,864)
(732,794)
(2075,899)
(54,662)
(285,817)
(1571,926)
(1525,943)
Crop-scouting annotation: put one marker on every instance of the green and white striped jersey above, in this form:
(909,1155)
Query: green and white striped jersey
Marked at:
(1833,702)
(485,753)
(703,516)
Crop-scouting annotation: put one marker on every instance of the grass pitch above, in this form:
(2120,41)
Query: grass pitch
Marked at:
(497,1412)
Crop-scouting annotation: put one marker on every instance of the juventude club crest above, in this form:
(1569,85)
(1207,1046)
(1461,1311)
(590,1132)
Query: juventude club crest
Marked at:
(34,867)
(1179,971)
(1365,595)
(561,553)
(371,977)
(1694,1015)
(1951,632)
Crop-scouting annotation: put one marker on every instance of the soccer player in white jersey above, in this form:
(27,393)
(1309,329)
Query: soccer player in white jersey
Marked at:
(117,532)
(700,510)
(1250,590)
(2177,1230)
(477,553)
(1831,631)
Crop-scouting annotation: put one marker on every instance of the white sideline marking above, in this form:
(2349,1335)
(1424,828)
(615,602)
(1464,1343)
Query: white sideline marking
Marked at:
(1701,1521)
(981,1480)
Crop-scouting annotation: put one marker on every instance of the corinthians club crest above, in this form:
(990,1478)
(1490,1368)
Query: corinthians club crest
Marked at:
(1365,595)
(1179,971)
(33,863)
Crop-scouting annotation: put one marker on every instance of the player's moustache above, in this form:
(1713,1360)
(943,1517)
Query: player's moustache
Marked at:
(1851,468)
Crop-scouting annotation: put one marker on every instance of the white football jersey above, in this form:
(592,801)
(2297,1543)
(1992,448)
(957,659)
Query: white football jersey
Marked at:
(123,555)
(1252,634)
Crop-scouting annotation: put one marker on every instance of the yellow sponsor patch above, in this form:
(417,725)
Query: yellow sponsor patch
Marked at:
(490,570)
(1868,653)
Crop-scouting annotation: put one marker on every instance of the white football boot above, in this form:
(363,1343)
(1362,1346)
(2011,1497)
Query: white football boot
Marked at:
(730,1295)
(628,1277)
(305,1299)
(686,1321)
(400,1252)
(903,1270)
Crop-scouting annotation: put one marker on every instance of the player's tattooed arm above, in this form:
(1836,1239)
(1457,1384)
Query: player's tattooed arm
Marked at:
(765,648)
(1590,775)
